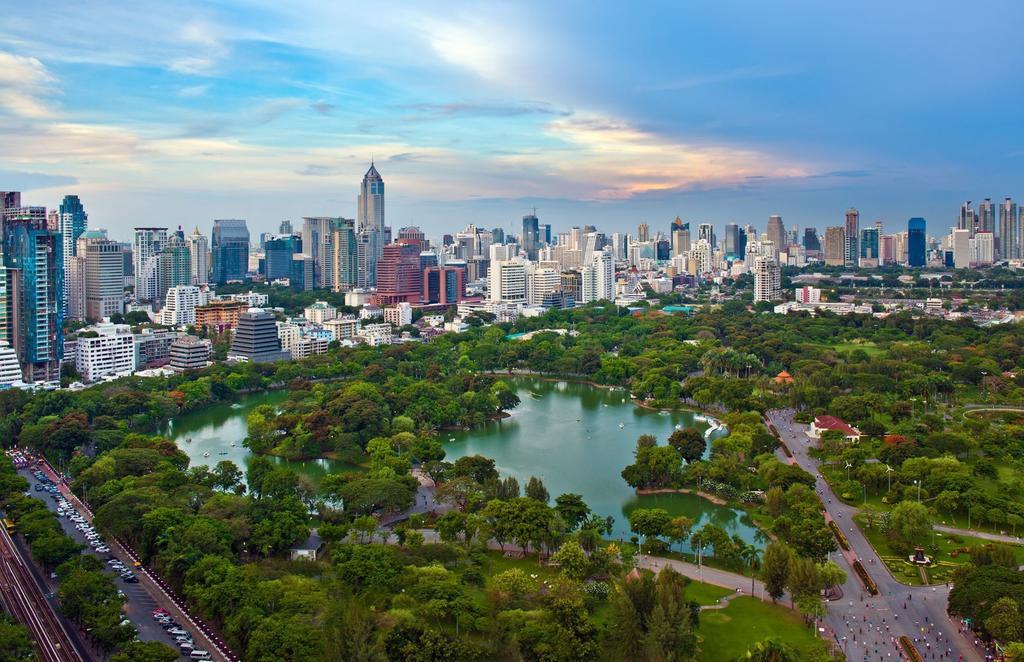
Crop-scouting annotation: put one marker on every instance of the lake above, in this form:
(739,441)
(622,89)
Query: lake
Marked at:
(573,436)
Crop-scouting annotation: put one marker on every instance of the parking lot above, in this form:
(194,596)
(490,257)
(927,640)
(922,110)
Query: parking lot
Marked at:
(152,623)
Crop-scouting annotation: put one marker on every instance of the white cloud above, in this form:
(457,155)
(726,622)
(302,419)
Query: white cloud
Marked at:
(24,82)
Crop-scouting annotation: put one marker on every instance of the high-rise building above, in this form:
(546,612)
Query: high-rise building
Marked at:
(869,240)
(643,232)
(916,240)
(811,241)
(706,231)
(285,227)
(732,241)
(175,264)
(399,277)
(71,224)
(149,243)
(110,352)
(835,246)
(278,253)
(35,283)
(316,242)
(1009,239)
(678,224)
(986,216)
(443,284)
(344,255)
(103,278)
(508,281)
(599,278)
(531,235)
(983,249)
(776,232)
(199,256)
(256,338)
(968,219)
(180,306)
(301,276)
(680,242)
(371,225)
(961,244)
(852,233)
(767,279)
(229,249)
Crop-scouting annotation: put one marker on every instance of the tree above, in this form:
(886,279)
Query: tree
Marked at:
(803,580)
(572,509)
(461,492)
(145,651)
(831,574)
(571,560)
(227,476)
(774,500)
(752,559)
(771,649)
(689,443)
(775,569)
(18,644)
(1005,622)
(909,525)
(649,522)
(678,529)
(476,467)
(535,490)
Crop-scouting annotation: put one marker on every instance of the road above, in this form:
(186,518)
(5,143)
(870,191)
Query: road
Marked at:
(24,599)
(906,610)
(142,597)
(995,537)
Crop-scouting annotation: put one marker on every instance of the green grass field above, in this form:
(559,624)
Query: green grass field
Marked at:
(706,594)
(726,634)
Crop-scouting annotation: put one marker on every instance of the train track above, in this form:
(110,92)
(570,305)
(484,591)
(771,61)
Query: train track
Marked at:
(25,601)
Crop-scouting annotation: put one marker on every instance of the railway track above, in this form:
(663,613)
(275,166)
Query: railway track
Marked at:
(26,602)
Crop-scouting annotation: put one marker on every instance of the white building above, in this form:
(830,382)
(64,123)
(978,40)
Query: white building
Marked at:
(541,280)
(320,312)
(149,242)
(807,294)
(767,279)
(358,297)
(983,250)
(180,306)
(508,281)
(252,299)
(199,257)
(10,369)
(599,279)
(399,315)
(960,240)
(289,335)
(110,353)
(701,257)
(308,347)
(376,334)
(342,328)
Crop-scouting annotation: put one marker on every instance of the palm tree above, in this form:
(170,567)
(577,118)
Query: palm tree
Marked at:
(771,649)
(752,558)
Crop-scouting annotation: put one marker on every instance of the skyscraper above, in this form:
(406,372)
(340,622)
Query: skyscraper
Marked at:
(706,231)
(71,224)
(643,232)
(371,224)
(776,232)
(285,227)
(732,240)
(175,264)
(256,338)
(767,279)
(531,235)
(278,255)
(316,242)
(345,255)
(869,240)
(1009,231)
(149,242)
(986,217)
(34,262)
(599,278)
(399,277)
(811,241)
(835,246)
(230,250)
(968,218)
(678,224)
(199,256)
(916,242)
(852,228)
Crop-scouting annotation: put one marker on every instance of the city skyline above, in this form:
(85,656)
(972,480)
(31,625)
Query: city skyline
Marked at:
(266,112)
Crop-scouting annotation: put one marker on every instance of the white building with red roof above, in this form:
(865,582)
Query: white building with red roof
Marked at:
(824,423)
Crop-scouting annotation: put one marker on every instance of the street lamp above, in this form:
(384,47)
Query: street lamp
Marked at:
(888,475)
(918,483)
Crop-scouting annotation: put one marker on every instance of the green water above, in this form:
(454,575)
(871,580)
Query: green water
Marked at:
(566,434)
(207,436)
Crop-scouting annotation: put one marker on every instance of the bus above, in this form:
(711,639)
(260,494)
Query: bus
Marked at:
(9,525)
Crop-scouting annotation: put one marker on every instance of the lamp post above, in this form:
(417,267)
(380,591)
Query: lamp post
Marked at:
(918,483)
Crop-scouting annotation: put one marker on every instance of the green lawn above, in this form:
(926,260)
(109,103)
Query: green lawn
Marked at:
(842,347)
(946,559)
(726,633)
(705,594)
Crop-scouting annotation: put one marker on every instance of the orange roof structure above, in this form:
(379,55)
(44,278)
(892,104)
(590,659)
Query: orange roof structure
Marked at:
(783,378)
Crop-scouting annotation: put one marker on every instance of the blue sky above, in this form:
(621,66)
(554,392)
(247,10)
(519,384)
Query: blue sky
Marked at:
(605,113)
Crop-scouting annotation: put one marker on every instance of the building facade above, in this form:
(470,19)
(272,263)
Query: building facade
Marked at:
(229,250)
(146,249)
(110,352)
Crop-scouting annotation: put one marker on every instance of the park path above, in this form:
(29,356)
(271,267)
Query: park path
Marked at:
(995,537)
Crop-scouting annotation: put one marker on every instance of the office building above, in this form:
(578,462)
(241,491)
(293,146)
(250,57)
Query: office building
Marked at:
(530,239)
(399,277)
(982,249)
(706,231)
(229,249)
(916,240)
(680,242)
(98,277)
(968,219)
(344,257)
(508,281)
(199,258)
(541,279)
(278,254)
(371,226)
(302,273)
(443,284)
(190,353)
(71,223)
(961,244)
(149,243)
(986,217)
(776,232)
(256,338)
(811,242)
(851,235)
(1009,239)
(285,227)
(767,279)
(10,368)
(643,233)
(869,243)
(732,242)
(34,265)
(180,305)
(835,246)
(175,264)
(316,242)
(219,316)
(110,353)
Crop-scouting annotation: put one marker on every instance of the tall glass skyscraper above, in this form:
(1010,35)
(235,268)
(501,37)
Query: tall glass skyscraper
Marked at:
(916,241)
(531,235)
(72,220)
(230,248)
(33,257)
(852,228)
(278,255)
(175,263)
(374,234)
(1009,231)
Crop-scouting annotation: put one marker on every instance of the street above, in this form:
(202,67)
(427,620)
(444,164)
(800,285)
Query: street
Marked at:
(864,625)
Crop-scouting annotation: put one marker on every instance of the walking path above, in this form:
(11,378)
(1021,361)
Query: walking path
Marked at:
(869,627)
(995,537)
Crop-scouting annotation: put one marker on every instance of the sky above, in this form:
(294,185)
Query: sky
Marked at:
(160,113)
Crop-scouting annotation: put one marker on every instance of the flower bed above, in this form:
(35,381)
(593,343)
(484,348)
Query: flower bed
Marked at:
(869,583)
(838,533)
